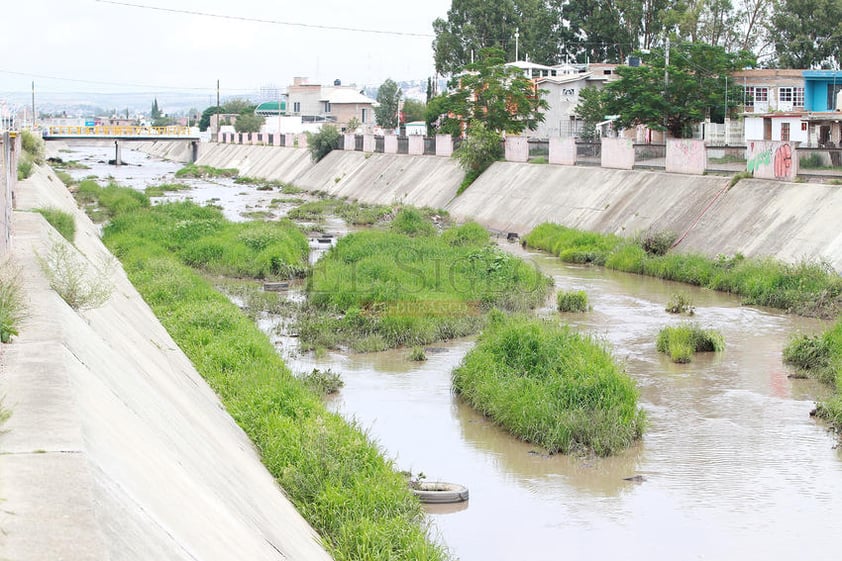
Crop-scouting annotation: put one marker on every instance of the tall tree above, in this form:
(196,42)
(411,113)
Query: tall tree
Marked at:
(414,110)
(473,25)
(389,99)
(490,92)
(808,33)
(672,98)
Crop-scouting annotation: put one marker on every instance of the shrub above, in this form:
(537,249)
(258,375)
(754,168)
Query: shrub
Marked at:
(322,382)
(199,171)
(813,161)
(33,145)
(62,221)
(25,166)
(658,243)
(411,222)
(546,384)
(80,285)
(320,144)
(12,304)
(680,342)
(572,301)
(477,152)
(680,304)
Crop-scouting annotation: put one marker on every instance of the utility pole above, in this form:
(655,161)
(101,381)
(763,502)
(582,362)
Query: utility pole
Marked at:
(517,42)
(34,114)
(666,67)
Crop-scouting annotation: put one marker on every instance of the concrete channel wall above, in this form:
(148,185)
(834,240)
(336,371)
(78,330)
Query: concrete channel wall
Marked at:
(787,221)
(117,448)
(8,177)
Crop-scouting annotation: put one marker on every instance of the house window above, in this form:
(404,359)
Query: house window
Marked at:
(756,94)
(364,115)
(296,107)
(791,95)
(785,132)
(327,107)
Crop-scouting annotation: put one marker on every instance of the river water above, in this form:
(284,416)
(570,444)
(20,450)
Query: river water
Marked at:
(734,467)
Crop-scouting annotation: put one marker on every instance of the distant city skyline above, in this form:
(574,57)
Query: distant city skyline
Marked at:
(105,47)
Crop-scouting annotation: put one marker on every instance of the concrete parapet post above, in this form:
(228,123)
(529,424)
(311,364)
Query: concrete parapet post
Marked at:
(617,153)
(7,178)
(255,138)
(220,137)
(368,143)
(416,145)
(276,139)
(444,145)
(302,140)
(390,144)
(772,160)
(517,149)
(289,140)
(562,151)
(686,155)
(349,143)
(118,153)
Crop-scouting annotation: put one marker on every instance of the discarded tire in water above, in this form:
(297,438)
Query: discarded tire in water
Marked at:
(438,492)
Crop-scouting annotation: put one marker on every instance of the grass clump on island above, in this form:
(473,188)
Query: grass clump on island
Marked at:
(164,188)
(572,301)
(820,357)
(806,288)
(200,171)
(681,341)
(337,479)
(358,214)
(412,286)
(551,386)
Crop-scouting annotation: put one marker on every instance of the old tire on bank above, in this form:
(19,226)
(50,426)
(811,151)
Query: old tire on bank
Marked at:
(439,492)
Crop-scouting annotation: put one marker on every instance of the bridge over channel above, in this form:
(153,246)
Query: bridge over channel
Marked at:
(121,134)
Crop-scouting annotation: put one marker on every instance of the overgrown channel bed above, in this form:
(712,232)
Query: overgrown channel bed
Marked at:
(807,288)
(334,475)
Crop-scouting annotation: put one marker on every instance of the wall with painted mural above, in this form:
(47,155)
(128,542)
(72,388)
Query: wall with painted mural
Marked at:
(772,160)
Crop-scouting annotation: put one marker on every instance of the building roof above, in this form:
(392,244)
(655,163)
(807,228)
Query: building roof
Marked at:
(270,107)
(344,94)
(823,74)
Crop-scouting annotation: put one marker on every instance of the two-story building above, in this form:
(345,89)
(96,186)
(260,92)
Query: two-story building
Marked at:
(338,104)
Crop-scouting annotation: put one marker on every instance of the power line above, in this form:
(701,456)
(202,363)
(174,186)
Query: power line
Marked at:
(269,21)
(123,84)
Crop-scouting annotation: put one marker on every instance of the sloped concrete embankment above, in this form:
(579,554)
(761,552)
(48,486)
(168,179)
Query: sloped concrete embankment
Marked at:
(117,448)
(758,218)
(385,178)
(173,150)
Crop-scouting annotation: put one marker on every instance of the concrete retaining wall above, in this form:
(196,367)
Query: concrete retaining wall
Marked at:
(772,160)
(117,448)
(8,178)
(385,178)
(268,162)
(686,155)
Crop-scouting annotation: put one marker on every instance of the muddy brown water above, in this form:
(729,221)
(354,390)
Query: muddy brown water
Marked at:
(734,467)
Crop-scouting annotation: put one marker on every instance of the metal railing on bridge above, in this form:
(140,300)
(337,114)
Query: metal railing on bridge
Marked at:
(108,131)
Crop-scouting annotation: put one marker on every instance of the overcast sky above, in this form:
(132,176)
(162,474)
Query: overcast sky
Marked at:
(90,45)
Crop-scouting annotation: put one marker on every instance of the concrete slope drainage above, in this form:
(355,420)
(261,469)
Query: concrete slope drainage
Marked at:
(439,492)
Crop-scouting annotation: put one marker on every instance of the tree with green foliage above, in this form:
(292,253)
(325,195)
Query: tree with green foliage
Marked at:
(674,97)
(389,99)
(808,33)
(473,25)
(248,121)
(477,152)
(237,105)
(204,122)
(414,110)
(321,143)
(492,93)
(159,119)
(591,109)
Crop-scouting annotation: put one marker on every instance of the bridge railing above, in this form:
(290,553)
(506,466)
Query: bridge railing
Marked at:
(114,130)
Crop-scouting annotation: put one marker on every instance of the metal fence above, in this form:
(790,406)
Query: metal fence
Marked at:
(647,152)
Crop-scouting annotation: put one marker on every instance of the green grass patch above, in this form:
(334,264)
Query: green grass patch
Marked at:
(358,214)
(103,203)
(680,304)
(382,289)
(62,221)
(549,385)
(322,382)
(572,301)
(25,166)
(806,288)
(335,476)
(65,178)
(193,170)
(161,190)
(821,357)
(680,342)
(12,302)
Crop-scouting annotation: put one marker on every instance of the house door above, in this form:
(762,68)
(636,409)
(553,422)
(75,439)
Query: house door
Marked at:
(832,90)
(824,135)
(767,128)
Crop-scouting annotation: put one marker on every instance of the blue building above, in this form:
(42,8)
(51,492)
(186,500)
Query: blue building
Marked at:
(821,90)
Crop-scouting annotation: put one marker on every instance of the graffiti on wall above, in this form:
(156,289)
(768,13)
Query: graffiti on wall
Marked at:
(772,160)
